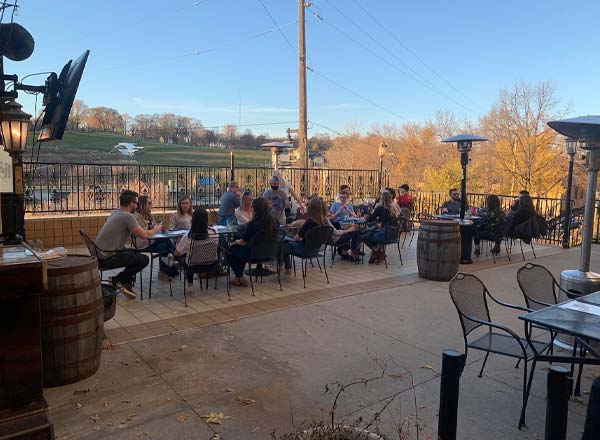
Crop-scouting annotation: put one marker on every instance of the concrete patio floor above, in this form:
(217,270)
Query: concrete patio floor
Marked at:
(174,364)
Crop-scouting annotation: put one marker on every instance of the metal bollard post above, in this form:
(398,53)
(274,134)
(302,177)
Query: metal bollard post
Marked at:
(559,386)
(453,363)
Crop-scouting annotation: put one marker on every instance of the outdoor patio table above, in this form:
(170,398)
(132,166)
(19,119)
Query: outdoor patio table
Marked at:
(466,235)
(579,318)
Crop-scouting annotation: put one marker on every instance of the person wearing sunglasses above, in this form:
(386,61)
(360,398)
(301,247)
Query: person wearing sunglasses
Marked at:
(452,206)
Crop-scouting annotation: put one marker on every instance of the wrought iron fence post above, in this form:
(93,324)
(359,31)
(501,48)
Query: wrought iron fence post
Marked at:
(453,363)
(559,386)
(231,166)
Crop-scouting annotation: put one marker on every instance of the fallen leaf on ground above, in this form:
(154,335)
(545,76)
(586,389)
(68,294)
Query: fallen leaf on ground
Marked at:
(214,418)
(86,390)
(126,401)
(397,376)
(130,417)
(427,367)
(245,400)
(182,418)
(78,405)
(95,418)
(228,338)
(215,437)
(106,404)
(229,390)
(107,344)
(124,363)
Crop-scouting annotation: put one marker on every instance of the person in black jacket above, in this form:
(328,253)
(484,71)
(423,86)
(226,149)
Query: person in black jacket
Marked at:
(525,211)
(491,225)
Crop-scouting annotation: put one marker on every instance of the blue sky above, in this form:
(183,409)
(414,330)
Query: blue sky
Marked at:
(142,58)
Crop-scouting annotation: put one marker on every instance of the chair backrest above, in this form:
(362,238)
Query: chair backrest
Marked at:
(391,231)
(528,229)
(538,286)
(201,250)
(469,296)
(89,244)
(264,246)
(317,237)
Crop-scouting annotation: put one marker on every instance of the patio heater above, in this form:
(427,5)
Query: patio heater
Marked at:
(464,144)
(383,150)
(586,130)
(278,148)
(571,145)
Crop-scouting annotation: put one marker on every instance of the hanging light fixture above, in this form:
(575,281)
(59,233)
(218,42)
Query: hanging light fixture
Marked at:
(14,124)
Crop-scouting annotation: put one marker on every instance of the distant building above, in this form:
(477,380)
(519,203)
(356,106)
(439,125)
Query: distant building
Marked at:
(126,149)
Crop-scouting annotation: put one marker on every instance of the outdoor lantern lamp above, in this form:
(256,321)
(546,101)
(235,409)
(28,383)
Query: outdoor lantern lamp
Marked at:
(586,130)
(464,144)
(571,145)
(15,123)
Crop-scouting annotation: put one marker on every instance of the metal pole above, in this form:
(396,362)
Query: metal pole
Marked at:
(590,206)
(464,160)
(231,166)
(380,172)
(567,224)
(302,128)
(453,363)
(557,402)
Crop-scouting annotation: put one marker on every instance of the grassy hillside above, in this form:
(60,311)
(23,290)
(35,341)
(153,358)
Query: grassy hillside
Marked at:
(153,153)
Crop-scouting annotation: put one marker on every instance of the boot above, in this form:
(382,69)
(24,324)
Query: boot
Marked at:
(373,257)
(380,256)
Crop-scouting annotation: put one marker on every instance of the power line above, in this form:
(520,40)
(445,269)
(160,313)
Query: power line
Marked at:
(276,25)
(404,63)
(373,103)
(219,126)
(408,49)
(199,52)
(344,135)
(391,64)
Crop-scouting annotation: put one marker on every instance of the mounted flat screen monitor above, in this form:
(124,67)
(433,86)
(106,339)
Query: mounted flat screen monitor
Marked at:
(59,99)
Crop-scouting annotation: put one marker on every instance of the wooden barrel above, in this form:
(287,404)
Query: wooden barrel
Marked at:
(72,311)
(438,249)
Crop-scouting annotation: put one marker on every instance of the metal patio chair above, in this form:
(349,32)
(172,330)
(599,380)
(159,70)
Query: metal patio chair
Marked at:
(391,235)
(314,246)
(470,297)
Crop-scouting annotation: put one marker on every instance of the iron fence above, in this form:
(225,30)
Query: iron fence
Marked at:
(552,209)
(75,188)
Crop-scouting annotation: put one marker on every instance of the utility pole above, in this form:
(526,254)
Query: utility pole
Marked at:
(302,128)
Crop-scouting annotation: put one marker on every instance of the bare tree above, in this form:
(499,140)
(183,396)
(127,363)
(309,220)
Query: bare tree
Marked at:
(78,116)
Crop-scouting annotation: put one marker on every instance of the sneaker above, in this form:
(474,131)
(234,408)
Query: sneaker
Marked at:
(125,290)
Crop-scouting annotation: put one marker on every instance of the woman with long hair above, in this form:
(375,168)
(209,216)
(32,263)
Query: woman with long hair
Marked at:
(382,215)
(182,219)
(244,213)
(239,252)
(490,226)
(162,246)
(205,243)
(525,211)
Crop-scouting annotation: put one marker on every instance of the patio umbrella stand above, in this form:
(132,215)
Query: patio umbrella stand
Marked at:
(586,130)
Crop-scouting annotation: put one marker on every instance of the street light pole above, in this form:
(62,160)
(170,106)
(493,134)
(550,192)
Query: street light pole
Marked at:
(382,152)
(571,151)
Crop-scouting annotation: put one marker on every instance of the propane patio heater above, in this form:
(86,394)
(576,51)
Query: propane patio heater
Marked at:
(277,148)
(586,130)
(464,144)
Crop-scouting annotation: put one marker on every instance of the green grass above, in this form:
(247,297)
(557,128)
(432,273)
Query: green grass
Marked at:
(156,154)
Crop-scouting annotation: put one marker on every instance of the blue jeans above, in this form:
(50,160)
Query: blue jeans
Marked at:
(223,221)
(374,237)
(164,246)
(238,257)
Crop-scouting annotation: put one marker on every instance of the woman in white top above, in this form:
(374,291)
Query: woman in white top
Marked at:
(182,219)
(244,213)
(205,240)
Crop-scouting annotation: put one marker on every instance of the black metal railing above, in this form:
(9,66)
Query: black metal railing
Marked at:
(73,188)
(429,202)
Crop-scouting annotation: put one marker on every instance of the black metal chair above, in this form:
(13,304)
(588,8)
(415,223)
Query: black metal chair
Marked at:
(391,235)
(541,290)
(153,256)
(470,297)
(96,252)
(314,245)
(204,271)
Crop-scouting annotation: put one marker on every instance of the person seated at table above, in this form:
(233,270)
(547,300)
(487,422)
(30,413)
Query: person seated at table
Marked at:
(342,210)
(277,199)
(120,225)
(405,199)
(515,206)
(162,246)
(346,240)
(244,213)
(316,212)
(229,202)
(452,206)
(205,241)
(239,252)
(523,214)
(374,237)
(182,219)
(490,226)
